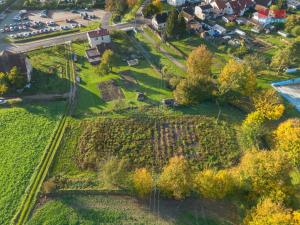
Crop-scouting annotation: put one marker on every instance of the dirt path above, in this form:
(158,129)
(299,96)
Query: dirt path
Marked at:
(166,53)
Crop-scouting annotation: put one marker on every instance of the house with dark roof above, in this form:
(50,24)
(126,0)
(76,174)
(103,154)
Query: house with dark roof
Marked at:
(188,13)
(99,41)
(159,21)
(8,60)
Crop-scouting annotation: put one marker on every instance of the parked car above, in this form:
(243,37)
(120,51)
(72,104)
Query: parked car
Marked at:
(2,101)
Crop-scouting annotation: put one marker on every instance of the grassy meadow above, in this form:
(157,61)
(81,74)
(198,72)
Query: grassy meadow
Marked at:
(115,210)
(24,134)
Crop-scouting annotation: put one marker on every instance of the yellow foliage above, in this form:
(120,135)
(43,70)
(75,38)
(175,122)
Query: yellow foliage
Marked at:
(142,182)
(287,138)
(268,212)
(269,104)
(263,172)
(214,184)
(237,77)
(199,63)
(175,179)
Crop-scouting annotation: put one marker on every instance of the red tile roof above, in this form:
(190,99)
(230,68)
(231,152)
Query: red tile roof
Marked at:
(221,4)
(98,33)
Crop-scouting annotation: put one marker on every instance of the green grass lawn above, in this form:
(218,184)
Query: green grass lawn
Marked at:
(159,59)
(106,209)
(147,80)
(24,135)
(189,43)
(132,11)
(49,71)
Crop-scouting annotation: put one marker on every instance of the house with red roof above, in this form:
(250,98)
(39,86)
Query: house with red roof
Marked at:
(99,40)
(97,37)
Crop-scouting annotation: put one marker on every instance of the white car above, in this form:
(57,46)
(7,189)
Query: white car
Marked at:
(2,101)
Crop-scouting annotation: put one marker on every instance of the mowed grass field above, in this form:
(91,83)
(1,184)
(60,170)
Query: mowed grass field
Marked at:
(131,80)
(116,210)
(24,134)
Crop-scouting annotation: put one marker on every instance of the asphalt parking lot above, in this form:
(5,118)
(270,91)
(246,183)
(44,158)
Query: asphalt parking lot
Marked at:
(58,18)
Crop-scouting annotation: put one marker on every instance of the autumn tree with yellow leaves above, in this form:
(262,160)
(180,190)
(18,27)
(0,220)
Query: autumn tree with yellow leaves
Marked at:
(287,138)
(214,184)
(175,179)
(142,182)
(237,78)
(268,212)
(198,85)
(269,104)
(264,172)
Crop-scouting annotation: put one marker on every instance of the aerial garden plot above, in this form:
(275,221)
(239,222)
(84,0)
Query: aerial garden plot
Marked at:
(27,124)
(182,131)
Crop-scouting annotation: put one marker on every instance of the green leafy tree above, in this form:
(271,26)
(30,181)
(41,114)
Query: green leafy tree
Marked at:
(198,85)
(150,10)
(256,62)
(107,60)
(175,179)
(171,26)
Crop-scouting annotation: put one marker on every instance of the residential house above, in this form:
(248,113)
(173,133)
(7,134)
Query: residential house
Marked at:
(188,13)
(159,21)
(8,60)
(99,41)
(203,11)
(218,7)
(97,37)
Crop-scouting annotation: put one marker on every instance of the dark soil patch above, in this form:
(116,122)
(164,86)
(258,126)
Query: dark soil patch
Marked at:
(110,91)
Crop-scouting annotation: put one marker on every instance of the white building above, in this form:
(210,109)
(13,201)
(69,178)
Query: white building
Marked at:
(159,21)
(176,2)
(203,11)
(98,37)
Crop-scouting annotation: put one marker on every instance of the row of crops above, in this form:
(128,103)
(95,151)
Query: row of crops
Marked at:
(148,141)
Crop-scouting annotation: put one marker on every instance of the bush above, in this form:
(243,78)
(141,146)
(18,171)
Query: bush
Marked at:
(115,172)
(175,180)
(49,186)
(214,184)
(142,182)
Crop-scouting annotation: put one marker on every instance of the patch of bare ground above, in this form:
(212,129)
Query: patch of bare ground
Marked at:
(110,91)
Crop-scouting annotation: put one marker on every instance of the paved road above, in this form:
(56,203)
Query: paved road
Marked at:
(72,37)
